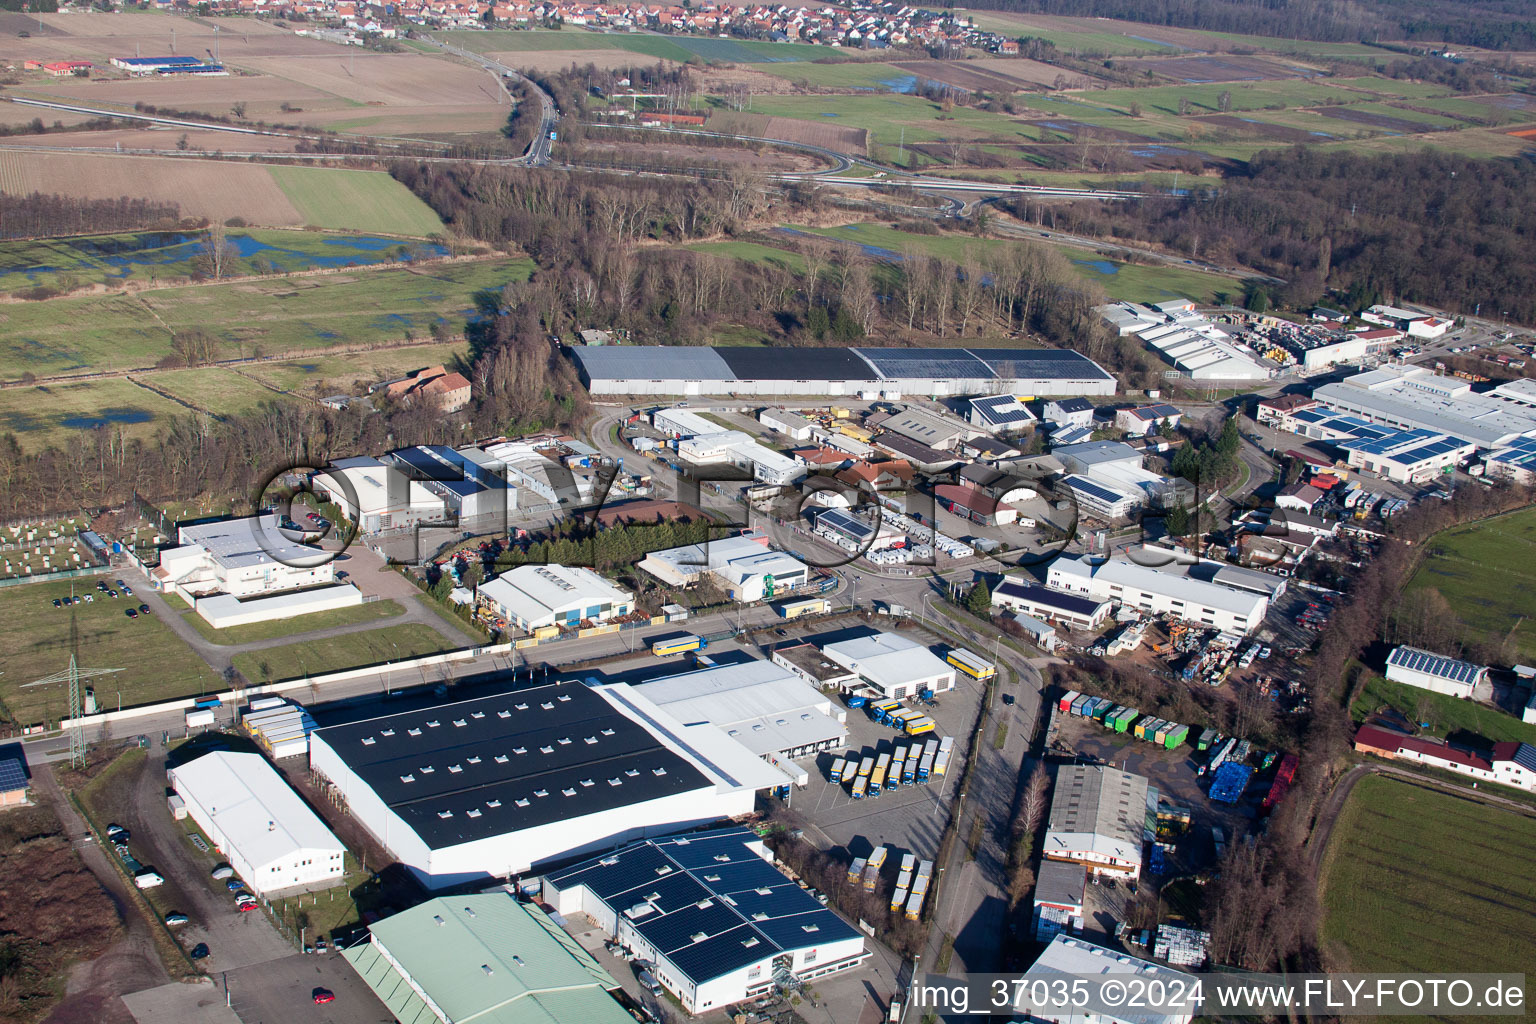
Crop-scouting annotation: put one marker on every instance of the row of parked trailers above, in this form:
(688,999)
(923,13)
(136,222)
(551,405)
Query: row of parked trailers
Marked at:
(1120,718)
(888,711)
(912,764)
(911,880)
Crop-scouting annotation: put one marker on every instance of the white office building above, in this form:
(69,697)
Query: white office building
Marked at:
(1161,592)
(744,567)
(246,557)
(704,442)
(531,597)
(492,787)
(791,425)
(1108,482)
(270,837)
(375,496)
(892,664)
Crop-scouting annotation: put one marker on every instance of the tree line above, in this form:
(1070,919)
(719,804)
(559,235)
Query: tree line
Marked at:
(1431,227)
(40,215)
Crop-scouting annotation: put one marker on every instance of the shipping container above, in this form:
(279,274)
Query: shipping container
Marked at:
(898,897)
(1124,720)
(1176,736)
(946,744)
(920,725)
(1140,729)
(1207,737)
(856,870)
(1065,703)
(1102,709)
(871,876)
(1077,704)
(199,718)
(941,763)
(1162,731)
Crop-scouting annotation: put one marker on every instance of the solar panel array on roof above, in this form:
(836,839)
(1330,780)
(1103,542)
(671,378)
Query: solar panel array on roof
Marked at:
(12,776)
(925,362)
(1047,597)
(754,363)
(1434,664)
(1039,363)
(1433,450)
(1092,489)
(485,767)
(706,901)
(1001,409)
(842,522)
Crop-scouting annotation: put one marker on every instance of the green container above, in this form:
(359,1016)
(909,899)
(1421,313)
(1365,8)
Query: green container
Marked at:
(1176,736)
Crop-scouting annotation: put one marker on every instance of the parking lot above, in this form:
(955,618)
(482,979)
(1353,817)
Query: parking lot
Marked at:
(282,991)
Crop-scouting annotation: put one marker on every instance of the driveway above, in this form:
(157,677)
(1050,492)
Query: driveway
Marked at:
(131,964)
(235,939)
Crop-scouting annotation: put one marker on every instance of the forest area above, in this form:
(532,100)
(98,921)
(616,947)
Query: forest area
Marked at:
(1491,24)
(51,216)
(1430,227)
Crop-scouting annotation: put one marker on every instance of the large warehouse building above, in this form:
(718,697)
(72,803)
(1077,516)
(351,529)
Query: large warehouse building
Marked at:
(1098,819)
(271,838)
(669,370)
(486,958)
(491,787)
(719,922)
(892,664)
(531,597)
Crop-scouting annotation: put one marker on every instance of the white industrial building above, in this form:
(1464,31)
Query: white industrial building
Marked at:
(1099,819)
(871,372)
(1161,591)
(280,728)
(744,566)
(246,557)
(1068,412)
(892,664)
(492,787)
(1142,420)
(1075,611)
(1068,958)
(375,496)
(926,428)
(704,442)
(1415,398)
(1108,482)
(720,923)
(270,837)
(531,597)
(791,425)
(1453,677)
(1407,456)
(1347,348)
(765,707)
(1418,325)
(1187,340)
(1513,462)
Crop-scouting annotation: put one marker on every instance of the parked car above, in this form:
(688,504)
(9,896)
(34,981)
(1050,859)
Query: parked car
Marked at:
(322,996)
(1008,699)
(112,593)
(245,905)
(143,609)
(234,885)
(175,920)
(199,951)
(58,603)
(132,613)
(117,833)
(223,871)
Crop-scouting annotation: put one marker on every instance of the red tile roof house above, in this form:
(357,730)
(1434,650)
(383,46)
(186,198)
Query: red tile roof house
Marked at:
(450,390)
(1511,763)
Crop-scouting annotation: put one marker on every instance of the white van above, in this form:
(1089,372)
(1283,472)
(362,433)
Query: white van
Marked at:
(147,879)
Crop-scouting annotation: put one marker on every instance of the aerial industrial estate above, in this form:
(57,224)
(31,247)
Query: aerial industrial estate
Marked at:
(647,513)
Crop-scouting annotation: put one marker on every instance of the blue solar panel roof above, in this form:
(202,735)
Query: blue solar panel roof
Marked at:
(12,776)
(1434,664)
(925,362)
(1002,409)
(1093,490)
(706,901)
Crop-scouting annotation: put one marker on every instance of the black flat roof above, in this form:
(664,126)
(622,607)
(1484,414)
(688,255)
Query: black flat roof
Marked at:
(460,772)
(1051,598)
(750,363)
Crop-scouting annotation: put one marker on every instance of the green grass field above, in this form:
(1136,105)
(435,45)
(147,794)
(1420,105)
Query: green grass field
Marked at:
(849,75)
(680,48)
(356,201)
(1415,880)
(1487,571)
(373,611)
(49,415)
(297,314)
(1447,716)
(350,650)
(217,390)
(1119,280)
(155,664)
(752,252)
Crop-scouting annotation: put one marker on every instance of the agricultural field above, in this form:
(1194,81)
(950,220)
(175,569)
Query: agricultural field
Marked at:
(350,650)
(1110,37)
(328,375)
(150,257)
(268,196)
(1129,281)
(215,390)
(1416,880)
(363,308)
(346,199)
(1487,571)
(839,138)
(153,662)
(852,75)
(680,49)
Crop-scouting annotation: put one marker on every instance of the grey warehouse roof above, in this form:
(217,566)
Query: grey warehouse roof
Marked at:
(479,768)
(666,362)
(706,901)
